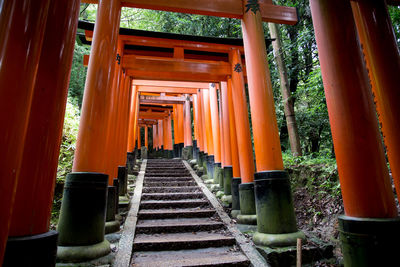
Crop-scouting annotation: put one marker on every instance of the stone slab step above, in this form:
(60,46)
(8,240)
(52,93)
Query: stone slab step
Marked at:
(171,189)
(223,256)
(159,204)
(169,184)
(177,241)
(172,196)
(163,174)
(175,213)
(177,225)
(167,179)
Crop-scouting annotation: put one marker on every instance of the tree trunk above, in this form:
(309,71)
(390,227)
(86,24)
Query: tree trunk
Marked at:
(288,102)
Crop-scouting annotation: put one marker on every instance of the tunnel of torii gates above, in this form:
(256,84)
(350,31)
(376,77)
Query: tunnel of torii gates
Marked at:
(141,79)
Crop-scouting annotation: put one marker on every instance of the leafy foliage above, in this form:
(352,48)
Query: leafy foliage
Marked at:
(70,132)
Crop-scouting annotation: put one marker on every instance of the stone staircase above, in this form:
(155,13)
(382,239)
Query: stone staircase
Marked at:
(176,224)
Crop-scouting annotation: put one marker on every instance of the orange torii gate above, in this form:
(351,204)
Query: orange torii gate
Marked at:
(28,29)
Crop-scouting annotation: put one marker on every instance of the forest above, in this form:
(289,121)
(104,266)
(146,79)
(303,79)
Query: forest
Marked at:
(298,90)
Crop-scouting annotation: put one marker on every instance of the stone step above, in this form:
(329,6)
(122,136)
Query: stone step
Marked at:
(162,204)
(172,174)
(222,256)
(177,241)
(175,213)
(171,189)
(172,196)
(177,225)
(169,184)
(166,179)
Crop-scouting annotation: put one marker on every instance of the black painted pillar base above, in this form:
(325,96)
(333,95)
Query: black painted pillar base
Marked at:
(200,159)
(276,221)
(112,225)
(195,151)
(116,185)
(181,146)
(82,218)
(34,250)
(235,196)
(130,162)
(210,166)
(123,180)
(369,241)
(247,204)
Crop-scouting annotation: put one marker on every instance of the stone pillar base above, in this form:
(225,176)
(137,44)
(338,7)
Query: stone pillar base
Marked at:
(276,224)
(369,241)
(235,196)
(34,250)
(112,227)
(247,204)
(83,253)
(277,240)
(210,166)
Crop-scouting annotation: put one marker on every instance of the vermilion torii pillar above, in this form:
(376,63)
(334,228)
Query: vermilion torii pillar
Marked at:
(200,132)
(246,188)
(169,130)
(381,54)
(29,230)
(205,99)
(216,135)
(83,219)
(276,221)
(112,165)
(203,132)
(371,220)
(160,134)
(228,171)
(236,180)
(22,27)
(195,129)
(131,152)
(188,128)
(179,109)
(154,137)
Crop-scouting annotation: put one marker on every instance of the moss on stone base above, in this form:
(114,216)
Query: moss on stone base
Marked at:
(83,253)
(277,240)
(112,227)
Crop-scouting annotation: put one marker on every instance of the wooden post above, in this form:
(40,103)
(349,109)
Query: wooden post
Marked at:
(381,54)
(232,131)
(91,154)
(363,174)
(125,120)
(267,146)
(225,123)
(241,119)
(367,232)
(132,117)
(111,140)
(188,122)
(208,126)
(215,122)
(22,24)
(38,169)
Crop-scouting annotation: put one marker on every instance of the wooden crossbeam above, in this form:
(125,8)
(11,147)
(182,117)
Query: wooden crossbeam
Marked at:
(161,89)
(144,99)
(153,115)
(171,43)
(219,8)
(155,108)
(172,69)
(195,85)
